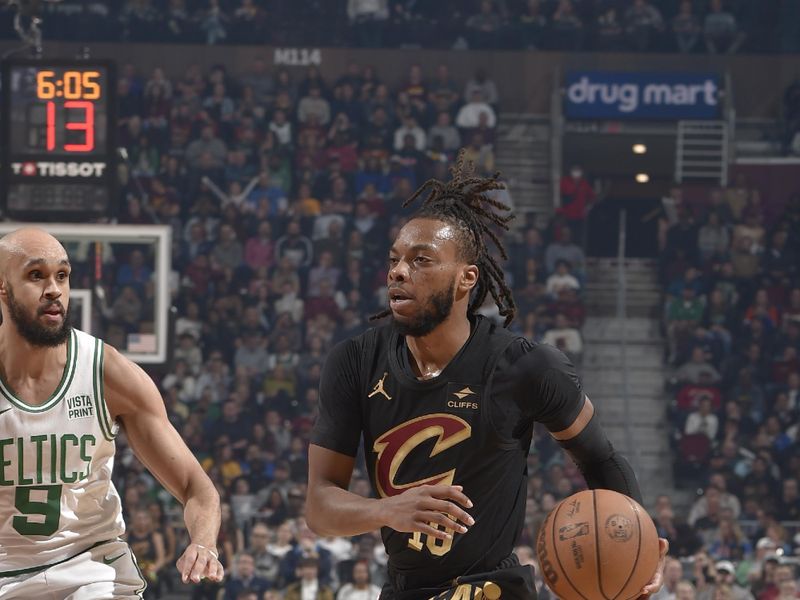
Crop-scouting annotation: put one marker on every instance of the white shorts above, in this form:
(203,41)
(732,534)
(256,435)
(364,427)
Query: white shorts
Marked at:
(105,571)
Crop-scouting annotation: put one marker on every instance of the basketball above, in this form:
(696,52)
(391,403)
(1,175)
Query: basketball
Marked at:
(597,544)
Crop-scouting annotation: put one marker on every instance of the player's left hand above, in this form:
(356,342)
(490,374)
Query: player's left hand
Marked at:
(198,563)
(658,577)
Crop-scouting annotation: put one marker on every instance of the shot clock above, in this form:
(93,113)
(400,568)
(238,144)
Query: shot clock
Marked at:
(58,139)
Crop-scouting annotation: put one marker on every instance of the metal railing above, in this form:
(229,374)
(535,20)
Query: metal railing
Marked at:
(556,137)
(632,449)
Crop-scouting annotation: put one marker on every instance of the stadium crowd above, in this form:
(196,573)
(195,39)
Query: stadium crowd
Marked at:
(732,317)
(282,197)
(712,26)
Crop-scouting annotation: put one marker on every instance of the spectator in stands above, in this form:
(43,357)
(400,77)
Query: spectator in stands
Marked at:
(683,315)
(252,357)
(259,80)
(323,270)
(643,23)
(266,195)
(135,272)
(565,337)
(685,591)
(480,82)
(723,579)
(469,116)
(483,28)
(443,91)
(480,154)
(294,247)
(609,31)
(209,146)
(245,578)
(265,565)
(703,420)
(368,19)
(683,539)
(443,128)
(567,27)
(698,370)
(720,30)
(314,110)
(686,28)
(531,26)
(783,574)
(713,238)
(309,585)
(673,573)
(788,590)
(562,279)
(360,588)
(745,257)
(564,249)
(214,21)
(410,127)
(227,252)
(577,196)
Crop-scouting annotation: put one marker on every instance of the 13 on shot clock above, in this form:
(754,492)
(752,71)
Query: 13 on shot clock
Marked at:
(58,120)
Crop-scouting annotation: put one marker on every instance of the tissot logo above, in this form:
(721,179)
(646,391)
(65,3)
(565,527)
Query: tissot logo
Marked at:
(44,168)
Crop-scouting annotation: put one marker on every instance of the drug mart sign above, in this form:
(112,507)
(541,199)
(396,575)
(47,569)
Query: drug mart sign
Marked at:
(638,95)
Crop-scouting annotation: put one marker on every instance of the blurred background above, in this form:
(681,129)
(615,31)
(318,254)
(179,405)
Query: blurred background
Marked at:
(651,151)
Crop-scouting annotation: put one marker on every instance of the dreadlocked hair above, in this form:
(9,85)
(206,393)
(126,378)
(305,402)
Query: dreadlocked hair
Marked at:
(462,203)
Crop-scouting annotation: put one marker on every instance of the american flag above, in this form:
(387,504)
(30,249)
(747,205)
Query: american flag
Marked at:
(141,342)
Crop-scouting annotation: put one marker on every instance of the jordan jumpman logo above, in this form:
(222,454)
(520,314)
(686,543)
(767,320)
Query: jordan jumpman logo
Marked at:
(379,388)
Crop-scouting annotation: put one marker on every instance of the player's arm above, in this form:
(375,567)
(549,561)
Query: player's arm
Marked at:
(331,509)
(561,405)
(134,400)
(161,555)
(569,416)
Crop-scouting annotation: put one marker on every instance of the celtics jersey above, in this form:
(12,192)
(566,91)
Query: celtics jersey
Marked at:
(56,494)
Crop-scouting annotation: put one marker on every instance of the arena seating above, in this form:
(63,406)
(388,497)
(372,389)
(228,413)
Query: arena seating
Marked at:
(283,192)
(732,317)
(282,196)
(567,25)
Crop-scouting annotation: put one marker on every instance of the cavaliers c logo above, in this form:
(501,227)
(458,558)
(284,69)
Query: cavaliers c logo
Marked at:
(396,444)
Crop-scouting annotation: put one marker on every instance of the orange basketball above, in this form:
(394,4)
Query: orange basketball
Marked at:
(597,545)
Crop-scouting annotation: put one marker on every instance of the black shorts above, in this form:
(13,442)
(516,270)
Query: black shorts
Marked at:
(510,581)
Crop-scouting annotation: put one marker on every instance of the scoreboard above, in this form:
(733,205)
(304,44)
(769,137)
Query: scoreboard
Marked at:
(57,131)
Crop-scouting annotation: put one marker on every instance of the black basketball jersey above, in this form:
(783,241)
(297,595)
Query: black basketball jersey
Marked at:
(470,426)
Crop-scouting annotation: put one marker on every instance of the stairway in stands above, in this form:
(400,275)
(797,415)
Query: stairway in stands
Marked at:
(644,440)
(523,157)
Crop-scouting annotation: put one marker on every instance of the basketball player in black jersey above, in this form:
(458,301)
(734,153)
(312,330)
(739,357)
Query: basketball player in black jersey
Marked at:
(446,402)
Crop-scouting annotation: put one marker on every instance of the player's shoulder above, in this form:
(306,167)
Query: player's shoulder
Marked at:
(83,337)
(535,359)
(350,352)
(86,346)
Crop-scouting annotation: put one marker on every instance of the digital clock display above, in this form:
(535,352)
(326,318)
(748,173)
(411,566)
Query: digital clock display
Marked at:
(58,126)
(58,110)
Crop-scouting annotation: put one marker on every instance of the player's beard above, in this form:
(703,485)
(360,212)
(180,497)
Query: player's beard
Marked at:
(429,317)
(31,330)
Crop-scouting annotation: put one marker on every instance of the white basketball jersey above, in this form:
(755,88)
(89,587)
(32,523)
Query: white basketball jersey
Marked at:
(56,495)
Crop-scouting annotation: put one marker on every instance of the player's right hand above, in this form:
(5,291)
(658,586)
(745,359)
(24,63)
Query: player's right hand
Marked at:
(418,507)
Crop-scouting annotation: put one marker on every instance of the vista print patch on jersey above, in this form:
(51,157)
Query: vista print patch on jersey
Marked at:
(80,407)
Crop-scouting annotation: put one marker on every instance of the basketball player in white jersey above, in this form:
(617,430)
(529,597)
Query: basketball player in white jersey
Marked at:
(63,396)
